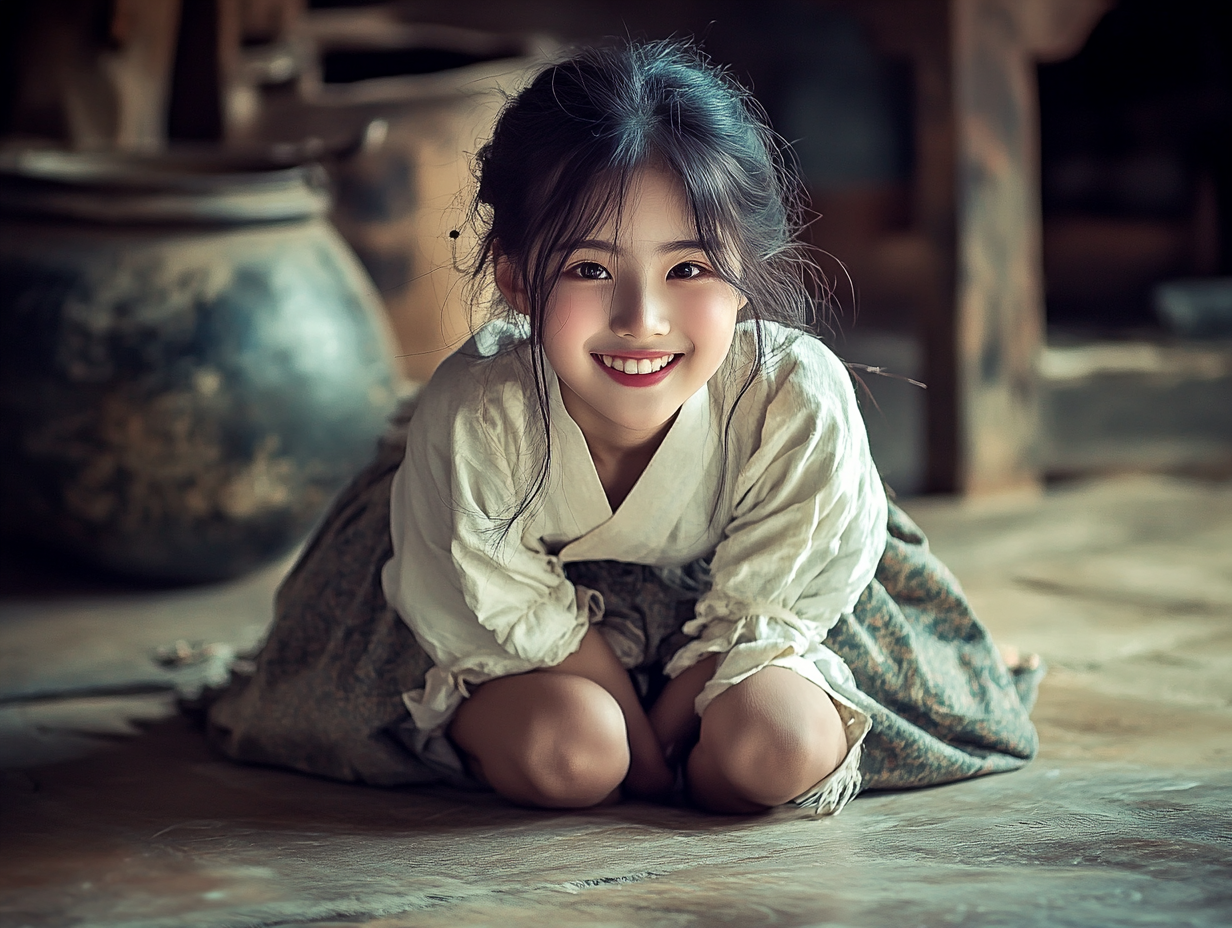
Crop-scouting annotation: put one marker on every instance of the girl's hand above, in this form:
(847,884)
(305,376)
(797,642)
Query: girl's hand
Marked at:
(649,775)
(672,717)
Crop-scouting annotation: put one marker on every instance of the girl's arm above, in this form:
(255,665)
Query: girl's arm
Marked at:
(649,775)
(674,720)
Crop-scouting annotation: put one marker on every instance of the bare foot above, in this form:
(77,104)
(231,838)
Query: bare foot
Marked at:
(1015,660)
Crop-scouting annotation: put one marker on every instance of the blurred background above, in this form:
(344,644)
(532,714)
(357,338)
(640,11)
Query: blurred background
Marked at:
(225,242)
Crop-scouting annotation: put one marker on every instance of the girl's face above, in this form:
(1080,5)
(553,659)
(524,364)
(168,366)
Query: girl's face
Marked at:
(639,319)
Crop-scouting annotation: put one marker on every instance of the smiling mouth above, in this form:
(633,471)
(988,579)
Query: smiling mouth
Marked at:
(637,365)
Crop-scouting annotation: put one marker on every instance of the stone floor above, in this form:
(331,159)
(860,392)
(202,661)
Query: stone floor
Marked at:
(114,813)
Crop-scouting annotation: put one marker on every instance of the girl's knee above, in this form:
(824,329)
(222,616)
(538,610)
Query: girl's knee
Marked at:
(575,751)
(772,743)
(772,767)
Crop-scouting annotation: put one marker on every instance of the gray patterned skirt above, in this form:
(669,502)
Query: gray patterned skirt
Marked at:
(325,693)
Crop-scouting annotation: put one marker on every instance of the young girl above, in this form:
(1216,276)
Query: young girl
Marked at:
(633,538)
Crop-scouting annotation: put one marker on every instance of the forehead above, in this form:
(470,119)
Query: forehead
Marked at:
(654,206)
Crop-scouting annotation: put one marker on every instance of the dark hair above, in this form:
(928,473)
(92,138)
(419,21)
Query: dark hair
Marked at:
(565,149)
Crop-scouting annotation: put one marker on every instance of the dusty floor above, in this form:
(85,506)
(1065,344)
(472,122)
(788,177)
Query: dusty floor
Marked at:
(114,812)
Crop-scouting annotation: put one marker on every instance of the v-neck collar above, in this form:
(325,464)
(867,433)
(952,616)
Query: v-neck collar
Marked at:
(658,496)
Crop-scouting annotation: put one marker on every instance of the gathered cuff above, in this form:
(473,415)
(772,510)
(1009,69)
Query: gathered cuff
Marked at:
(537,636)
(432,706)
(588,604)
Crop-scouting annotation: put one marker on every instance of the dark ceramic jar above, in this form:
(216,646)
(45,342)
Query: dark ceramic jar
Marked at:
(191,361)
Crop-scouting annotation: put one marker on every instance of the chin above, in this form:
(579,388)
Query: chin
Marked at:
(643,423)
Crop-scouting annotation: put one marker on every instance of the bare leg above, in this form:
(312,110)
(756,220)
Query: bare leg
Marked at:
(765,741)
(553,740)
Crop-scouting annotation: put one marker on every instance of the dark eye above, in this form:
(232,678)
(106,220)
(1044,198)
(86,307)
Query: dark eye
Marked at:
(685,270)
(589,270)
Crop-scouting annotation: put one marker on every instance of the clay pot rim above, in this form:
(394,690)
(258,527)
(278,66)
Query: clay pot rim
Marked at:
(196,186)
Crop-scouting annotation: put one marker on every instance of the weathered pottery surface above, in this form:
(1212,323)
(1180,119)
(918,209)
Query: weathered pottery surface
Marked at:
(115,813)
(189,365)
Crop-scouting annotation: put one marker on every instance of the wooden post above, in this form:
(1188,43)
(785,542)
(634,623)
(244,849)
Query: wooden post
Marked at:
(139,70)
(999,299)
(198,95)
(999,304)
(977,205)
(214,97)
(93,73)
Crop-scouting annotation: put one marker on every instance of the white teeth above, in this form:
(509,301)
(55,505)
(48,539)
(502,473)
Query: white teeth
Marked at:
(637,366)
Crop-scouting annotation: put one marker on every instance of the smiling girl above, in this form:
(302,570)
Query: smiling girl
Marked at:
(632,541)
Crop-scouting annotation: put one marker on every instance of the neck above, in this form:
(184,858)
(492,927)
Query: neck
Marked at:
(620,455)
(615,444)
(620,464)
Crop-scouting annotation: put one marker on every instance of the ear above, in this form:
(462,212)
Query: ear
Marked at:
(508,282)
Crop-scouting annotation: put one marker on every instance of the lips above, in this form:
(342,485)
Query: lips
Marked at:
(637,371)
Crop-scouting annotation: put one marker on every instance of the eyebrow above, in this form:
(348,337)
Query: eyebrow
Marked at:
(597,244)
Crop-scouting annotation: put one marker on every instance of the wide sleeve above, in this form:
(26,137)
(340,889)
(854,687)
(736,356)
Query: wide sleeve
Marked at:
(806,534)
(482,605)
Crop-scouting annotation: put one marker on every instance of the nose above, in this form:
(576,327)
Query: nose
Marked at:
(638,313)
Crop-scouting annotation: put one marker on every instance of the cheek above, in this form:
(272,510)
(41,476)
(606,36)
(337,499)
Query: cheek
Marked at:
(710,322)
(571,318)
(566,316)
